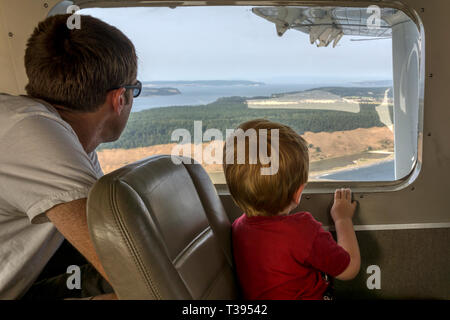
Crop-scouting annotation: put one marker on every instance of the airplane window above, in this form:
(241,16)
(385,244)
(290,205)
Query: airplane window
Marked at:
(346,79)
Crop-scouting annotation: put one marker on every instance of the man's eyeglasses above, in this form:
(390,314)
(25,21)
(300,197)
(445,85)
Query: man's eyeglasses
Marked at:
(137,88)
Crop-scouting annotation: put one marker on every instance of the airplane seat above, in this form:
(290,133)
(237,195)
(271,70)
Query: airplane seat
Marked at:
(161,232)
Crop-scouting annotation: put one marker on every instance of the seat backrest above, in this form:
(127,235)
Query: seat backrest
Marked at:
(161,232)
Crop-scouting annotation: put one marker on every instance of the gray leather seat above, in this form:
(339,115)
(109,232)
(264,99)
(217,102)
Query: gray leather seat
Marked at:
(161,232)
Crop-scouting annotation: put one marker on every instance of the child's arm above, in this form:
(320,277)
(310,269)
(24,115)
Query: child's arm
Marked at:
(342,214)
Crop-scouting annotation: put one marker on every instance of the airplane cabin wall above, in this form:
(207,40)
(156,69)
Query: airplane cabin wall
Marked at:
(17,21)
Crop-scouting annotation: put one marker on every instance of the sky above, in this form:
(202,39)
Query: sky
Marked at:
(232,43)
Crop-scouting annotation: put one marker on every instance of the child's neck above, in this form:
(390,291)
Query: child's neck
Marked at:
(286,211)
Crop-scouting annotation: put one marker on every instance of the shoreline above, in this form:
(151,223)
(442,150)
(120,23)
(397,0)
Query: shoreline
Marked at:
(362,161)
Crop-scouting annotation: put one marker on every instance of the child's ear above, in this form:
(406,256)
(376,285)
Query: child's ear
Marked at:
(298,193)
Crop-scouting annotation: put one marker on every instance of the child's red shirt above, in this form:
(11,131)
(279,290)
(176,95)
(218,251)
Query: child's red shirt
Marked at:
(284,257)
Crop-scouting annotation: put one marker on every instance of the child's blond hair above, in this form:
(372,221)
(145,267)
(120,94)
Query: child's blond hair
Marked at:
(267,195)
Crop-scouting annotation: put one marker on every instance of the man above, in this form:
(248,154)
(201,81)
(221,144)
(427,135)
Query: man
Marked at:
(80,93)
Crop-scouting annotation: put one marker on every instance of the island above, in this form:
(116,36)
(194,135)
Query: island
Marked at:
(148,92)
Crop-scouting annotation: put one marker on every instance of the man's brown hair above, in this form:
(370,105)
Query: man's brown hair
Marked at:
(267,195)
(75,68)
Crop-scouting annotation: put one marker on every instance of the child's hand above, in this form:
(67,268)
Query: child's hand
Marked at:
(343,207)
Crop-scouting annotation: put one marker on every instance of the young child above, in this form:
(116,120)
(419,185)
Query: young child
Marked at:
(279,255)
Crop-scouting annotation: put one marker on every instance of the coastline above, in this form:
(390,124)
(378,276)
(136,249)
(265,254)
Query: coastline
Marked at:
(333,165)
(363,160)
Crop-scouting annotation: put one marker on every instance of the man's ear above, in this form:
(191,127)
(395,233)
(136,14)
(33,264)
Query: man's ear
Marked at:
(298,193)
(118,100)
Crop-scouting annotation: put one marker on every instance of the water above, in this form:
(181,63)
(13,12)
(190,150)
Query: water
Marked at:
(202,94)
(383,171)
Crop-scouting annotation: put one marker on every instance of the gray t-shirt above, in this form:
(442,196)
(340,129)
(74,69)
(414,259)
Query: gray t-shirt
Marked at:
(42,164)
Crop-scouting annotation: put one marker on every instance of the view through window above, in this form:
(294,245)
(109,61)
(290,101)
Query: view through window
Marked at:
(326,72)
